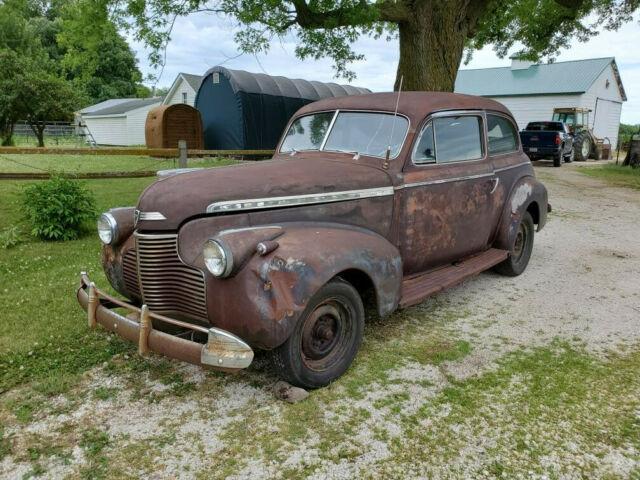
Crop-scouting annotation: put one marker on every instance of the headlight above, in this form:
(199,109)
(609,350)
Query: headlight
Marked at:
(217,258)
(107,228)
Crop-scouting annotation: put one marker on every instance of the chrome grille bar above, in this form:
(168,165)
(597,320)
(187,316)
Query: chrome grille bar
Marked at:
(129,268)
(167,284)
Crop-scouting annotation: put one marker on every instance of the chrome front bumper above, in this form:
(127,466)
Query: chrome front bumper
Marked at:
(223,350)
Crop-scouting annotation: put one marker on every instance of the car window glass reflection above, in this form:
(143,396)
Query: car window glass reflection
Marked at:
(458,138)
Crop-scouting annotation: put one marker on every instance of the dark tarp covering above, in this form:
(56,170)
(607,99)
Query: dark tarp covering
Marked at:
(242,110)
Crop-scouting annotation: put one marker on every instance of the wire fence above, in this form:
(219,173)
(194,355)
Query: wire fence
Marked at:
(56,133)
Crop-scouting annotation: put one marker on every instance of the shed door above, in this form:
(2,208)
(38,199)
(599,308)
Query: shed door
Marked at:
(605,121)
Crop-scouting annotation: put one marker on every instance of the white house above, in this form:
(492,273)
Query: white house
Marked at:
(531,91)
(119,121)
(183,89)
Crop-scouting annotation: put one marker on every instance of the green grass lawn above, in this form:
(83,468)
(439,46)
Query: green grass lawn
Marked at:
(615,174)
(37,163)
(43,332)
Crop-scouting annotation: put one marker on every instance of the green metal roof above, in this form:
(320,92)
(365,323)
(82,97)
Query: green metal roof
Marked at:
(546,79)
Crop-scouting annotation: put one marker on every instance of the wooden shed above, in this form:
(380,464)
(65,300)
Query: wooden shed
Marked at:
(167,124)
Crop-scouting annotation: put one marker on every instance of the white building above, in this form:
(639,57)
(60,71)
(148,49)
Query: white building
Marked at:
(531,91)
(183,89)
(119,121)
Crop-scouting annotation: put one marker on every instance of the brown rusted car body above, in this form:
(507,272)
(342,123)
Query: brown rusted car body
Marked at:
(297,221)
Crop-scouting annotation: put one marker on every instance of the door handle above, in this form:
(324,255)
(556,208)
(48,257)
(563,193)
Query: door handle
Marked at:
(495,181)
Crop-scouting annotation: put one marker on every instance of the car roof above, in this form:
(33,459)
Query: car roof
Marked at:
(415,105)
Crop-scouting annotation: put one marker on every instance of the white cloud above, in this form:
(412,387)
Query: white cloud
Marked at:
(204,40)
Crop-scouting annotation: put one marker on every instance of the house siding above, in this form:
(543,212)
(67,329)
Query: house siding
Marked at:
(176,95)
(108,131)
(606,106)
(527,109)
(122,130)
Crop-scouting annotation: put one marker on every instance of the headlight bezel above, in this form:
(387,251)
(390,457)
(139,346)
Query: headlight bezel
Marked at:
(225,254)
(113,228)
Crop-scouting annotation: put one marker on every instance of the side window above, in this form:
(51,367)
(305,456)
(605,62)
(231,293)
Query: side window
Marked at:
(458,138)
(425,151)
(502,136)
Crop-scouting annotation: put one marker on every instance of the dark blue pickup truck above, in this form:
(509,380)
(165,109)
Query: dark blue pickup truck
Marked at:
(548,140)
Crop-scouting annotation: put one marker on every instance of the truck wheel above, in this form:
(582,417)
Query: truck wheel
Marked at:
(521,253)
(325,340)
(582,147)
(557,159)
(569,158)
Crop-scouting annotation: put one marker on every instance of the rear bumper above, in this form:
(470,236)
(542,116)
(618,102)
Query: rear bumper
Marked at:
(542,152)
(223,350)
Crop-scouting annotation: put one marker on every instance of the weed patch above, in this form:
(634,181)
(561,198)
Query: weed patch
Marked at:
(614,174)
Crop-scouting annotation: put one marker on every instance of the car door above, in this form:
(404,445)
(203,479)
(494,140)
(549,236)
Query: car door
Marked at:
(446,193)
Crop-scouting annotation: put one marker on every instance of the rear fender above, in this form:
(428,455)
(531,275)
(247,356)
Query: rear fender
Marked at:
(527,194)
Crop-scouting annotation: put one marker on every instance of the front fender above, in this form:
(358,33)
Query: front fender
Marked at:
(527,194)
(264,299)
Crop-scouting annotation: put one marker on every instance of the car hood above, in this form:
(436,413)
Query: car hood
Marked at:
(186,195)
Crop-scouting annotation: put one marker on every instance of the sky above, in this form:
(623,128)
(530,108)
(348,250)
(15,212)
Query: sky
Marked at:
(204,40)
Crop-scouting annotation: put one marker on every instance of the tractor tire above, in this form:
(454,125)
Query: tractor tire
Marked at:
(582,147)
(597,153)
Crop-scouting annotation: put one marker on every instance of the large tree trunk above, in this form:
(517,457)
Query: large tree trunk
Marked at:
(432,43)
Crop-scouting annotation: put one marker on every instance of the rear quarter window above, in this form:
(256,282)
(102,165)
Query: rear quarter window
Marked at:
(502,135)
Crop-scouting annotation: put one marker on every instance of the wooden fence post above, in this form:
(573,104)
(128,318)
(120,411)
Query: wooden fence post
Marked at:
(182,152)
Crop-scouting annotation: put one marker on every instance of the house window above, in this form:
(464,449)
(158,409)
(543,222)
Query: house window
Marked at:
(184,97)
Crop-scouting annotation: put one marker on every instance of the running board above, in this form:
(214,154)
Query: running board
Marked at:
(416,289)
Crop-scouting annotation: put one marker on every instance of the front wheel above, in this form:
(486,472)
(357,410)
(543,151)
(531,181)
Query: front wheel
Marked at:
(569,158)
(326,338)
(519,257)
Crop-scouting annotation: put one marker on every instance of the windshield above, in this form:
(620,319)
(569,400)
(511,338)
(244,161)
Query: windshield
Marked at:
(365,133)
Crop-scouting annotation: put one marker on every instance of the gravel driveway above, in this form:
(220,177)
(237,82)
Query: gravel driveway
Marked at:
(527,377)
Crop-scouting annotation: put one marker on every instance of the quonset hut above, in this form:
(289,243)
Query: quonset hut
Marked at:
(248,111)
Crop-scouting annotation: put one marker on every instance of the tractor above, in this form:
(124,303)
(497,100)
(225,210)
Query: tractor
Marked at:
(585,144)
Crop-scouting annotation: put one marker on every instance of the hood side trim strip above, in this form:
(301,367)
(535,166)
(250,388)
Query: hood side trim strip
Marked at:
(296,200)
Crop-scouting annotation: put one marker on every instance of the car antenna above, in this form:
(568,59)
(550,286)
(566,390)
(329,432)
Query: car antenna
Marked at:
(385,165)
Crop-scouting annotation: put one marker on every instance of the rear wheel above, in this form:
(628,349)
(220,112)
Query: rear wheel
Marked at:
(582,147)
(557,159)
(521,253)
(325,340)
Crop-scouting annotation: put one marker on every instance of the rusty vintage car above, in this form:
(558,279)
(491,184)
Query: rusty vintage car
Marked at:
(384,197)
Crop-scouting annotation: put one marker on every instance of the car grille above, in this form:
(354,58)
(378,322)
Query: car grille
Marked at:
(129,269)
(168,285)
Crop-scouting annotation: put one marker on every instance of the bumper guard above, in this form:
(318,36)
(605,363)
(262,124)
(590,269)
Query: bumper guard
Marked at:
(223,350)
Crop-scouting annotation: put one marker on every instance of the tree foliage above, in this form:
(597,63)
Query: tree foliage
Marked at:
(433,34)
(57,56)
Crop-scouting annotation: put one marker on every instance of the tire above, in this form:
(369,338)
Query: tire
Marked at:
(597,153)
(519,257)
(326,338)
(582,147)
(569,158)
(557,159)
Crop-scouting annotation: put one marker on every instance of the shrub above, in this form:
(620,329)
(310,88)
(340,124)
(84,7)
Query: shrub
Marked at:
(10,237)
(58,208)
